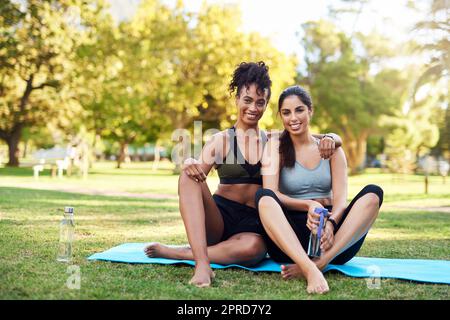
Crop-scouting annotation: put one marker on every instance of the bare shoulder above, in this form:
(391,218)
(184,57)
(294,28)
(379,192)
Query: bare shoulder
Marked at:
(338,155)
(218,137)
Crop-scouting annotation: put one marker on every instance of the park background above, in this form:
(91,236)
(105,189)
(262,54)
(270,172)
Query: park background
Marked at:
(97,88)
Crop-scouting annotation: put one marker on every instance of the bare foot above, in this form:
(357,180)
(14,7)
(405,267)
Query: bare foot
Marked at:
(316,281)
(320,263)
(291,271)
(203,276)
(158,250)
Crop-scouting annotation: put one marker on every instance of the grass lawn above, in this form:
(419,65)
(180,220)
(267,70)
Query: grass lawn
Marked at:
(410,225)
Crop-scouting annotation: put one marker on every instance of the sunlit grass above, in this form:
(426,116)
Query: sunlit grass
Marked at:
(140,178)
(29,220)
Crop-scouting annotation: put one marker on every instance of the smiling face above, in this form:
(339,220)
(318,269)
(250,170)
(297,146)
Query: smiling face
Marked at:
(295,115)
(251,104)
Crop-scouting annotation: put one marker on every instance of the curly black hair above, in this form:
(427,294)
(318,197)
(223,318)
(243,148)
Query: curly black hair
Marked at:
(248,73)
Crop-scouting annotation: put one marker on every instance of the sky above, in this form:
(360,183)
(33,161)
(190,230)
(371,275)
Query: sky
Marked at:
(280,20)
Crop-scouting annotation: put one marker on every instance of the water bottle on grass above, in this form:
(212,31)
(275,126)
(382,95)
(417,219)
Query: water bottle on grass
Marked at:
(66,234)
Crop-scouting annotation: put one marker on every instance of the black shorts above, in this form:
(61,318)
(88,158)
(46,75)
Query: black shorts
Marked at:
(237,217)
(297,220)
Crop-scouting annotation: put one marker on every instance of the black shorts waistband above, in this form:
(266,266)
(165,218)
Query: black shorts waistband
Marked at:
(262,192)
(220,199)
(241,180)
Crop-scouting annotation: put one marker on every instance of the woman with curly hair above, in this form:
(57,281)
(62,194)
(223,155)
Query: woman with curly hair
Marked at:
(224,227)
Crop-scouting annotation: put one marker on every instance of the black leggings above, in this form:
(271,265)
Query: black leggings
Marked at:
(297,220)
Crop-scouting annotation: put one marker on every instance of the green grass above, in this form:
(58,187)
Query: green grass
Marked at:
(29,218)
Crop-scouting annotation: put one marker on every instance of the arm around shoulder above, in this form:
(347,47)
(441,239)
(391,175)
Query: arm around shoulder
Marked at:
(338,166)
(335,137)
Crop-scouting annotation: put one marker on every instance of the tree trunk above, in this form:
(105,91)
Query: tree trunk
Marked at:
(123,153)
(13,146)
(25,149)
(13,138)
(355,150)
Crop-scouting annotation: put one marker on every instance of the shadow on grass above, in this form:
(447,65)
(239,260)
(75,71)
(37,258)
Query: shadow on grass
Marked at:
(133,172)
(27,195)
(28,172)
(414,196)
(21,172)
(411,225)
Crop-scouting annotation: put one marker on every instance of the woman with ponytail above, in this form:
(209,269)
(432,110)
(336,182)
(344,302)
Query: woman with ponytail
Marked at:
(296,181)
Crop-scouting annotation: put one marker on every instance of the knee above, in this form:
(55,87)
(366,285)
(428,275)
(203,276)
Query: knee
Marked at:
(264,199)
(181,181)
(372,200)
(185,182)
(265,203)
(255,246)
(183,178)
(252,250)
(375,194)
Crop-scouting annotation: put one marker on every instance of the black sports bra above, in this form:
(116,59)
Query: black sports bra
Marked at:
(235,169)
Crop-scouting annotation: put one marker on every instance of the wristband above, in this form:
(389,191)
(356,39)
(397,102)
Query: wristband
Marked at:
(334,224)
(328,135)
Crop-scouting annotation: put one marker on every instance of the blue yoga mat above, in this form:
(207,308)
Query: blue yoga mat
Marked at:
(431,271)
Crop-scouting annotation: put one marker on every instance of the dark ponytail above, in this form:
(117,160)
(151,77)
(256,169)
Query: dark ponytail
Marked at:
(286,150)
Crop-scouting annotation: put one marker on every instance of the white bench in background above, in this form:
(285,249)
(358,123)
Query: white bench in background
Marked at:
(56,158)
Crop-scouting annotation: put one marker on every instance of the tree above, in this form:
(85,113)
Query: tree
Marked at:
(410,136)
(165,68)
(436,29)
(38,41)
(221,46)
(349,97)
(442,148)
(199,52)
(125,75)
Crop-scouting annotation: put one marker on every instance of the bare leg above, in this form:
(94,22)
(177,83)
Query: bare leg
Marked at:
(203,223)
(243,248)
(280,231)
(357,223)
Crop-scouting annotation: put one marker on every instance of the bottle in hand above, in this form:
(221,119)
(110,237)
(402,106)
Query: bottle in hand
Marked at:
(316,233)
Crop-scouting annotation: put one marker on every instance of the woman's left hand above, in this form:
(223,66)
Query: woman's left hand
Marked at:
(327,239)
(327,146)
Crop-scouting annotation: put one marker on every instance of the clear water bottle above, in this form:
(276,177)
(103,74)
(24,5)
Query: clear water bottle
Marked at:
(66,235)
(316,234)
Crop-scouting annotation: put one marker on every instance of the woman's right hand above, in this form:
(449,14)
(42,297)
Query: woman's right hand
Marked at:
(313,220)
(193,170)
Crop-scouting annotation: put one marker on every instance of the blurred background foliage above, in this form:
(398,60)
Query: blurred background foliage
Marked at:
(69,72)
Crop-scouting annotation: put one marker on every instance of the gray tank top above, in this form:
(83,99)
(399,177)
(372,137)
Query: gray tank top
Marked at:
(302,183)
